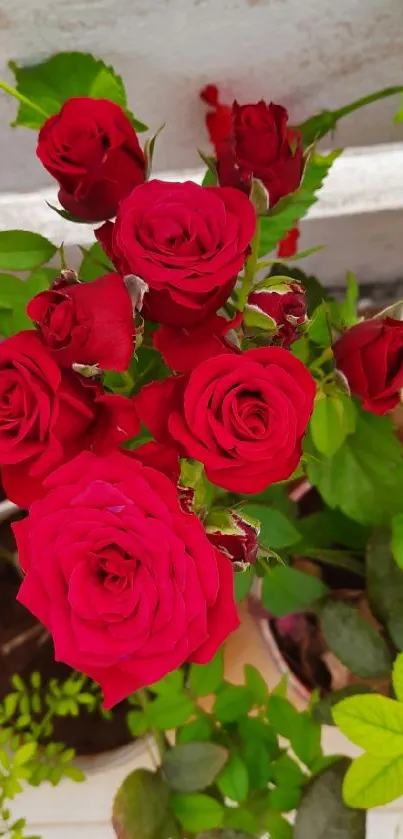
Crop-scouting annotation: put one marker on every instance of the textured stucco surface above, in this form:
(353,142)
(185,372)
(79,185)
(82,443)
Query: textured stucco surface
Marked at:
(307,54)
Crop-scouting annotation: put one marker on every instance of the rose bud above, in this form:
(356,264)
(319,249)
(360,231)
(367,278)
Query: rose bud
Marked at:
(91,148)
(280,307)
(254,141)
(233,536)
(86,323)
(370,356)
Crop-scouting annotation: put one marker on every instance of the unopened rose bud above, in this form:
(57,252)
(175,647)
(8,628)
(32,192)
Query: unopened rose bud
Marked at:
(236,538)
(283,304)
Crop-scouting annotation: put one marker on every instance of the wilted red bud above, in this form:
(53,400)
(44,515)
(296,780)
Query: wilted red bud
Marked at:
(284,304)
(236,538)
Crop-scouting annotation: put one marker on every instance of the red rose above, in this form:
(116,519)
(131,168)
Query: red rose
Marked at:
(242,415)
(92,150)
(284,304)
(183,349)
(47,416)
(256,142)
(87,323)
(187,242)
(125,581)
(370,355)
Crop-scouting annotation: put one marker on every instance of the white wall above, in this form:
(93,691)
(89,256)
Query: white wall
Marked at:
(308,54)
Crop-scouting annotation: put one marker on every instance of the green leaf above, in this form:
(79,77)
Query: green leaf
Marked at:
(210,178)
(22,250)
(397,538)
(233,781)
(172,683)
(281,218)
(373,722)
(95,263)
(372,781)
(74,774)
(191,767)
(333,418)
(255,731)
(286,590)
(140,807)
(276,530)
(258,763)
(300,729)
(223,834)
(256,684)
(286,772)
(197,812)
(170,711)
(354,641)
(397,677)
(278,827)
(243,583)
(322,710)
(385,584)
(284,799)
(137,723)
(322,813)
(399,114)
(68,74)
(282,715)
(25,753)
(207,678)
(364,478)
(199,729)
(232,702)
(320,325)
(348,308)
(149,148)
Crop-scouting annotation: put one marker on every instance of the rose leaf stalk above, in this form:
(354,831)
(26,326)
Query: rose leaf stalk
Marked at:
(23,99)
(158,735)
(251,266)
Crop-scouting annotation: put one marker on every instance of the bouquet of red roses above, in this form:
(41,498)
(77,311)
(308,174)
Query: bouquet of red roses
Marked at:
(147,391)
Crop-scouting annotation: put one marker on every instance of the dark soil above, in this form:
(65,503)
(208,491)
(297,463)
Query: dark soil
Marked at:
(88,734)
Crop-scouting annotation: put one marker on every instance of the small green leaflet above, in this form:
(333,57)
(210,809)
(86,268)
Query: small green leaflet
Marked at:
(281,218)
(22,250)
(286,590)
(373,781)
(333,419)
(354,641)
(276,529)
(197,812)
(364,478)
(373,722)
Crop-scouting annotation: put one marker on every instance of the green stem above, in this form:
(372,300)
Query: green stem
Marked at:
(367,100)
(63,264)
(21,98)
(158,735)
(250,269)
